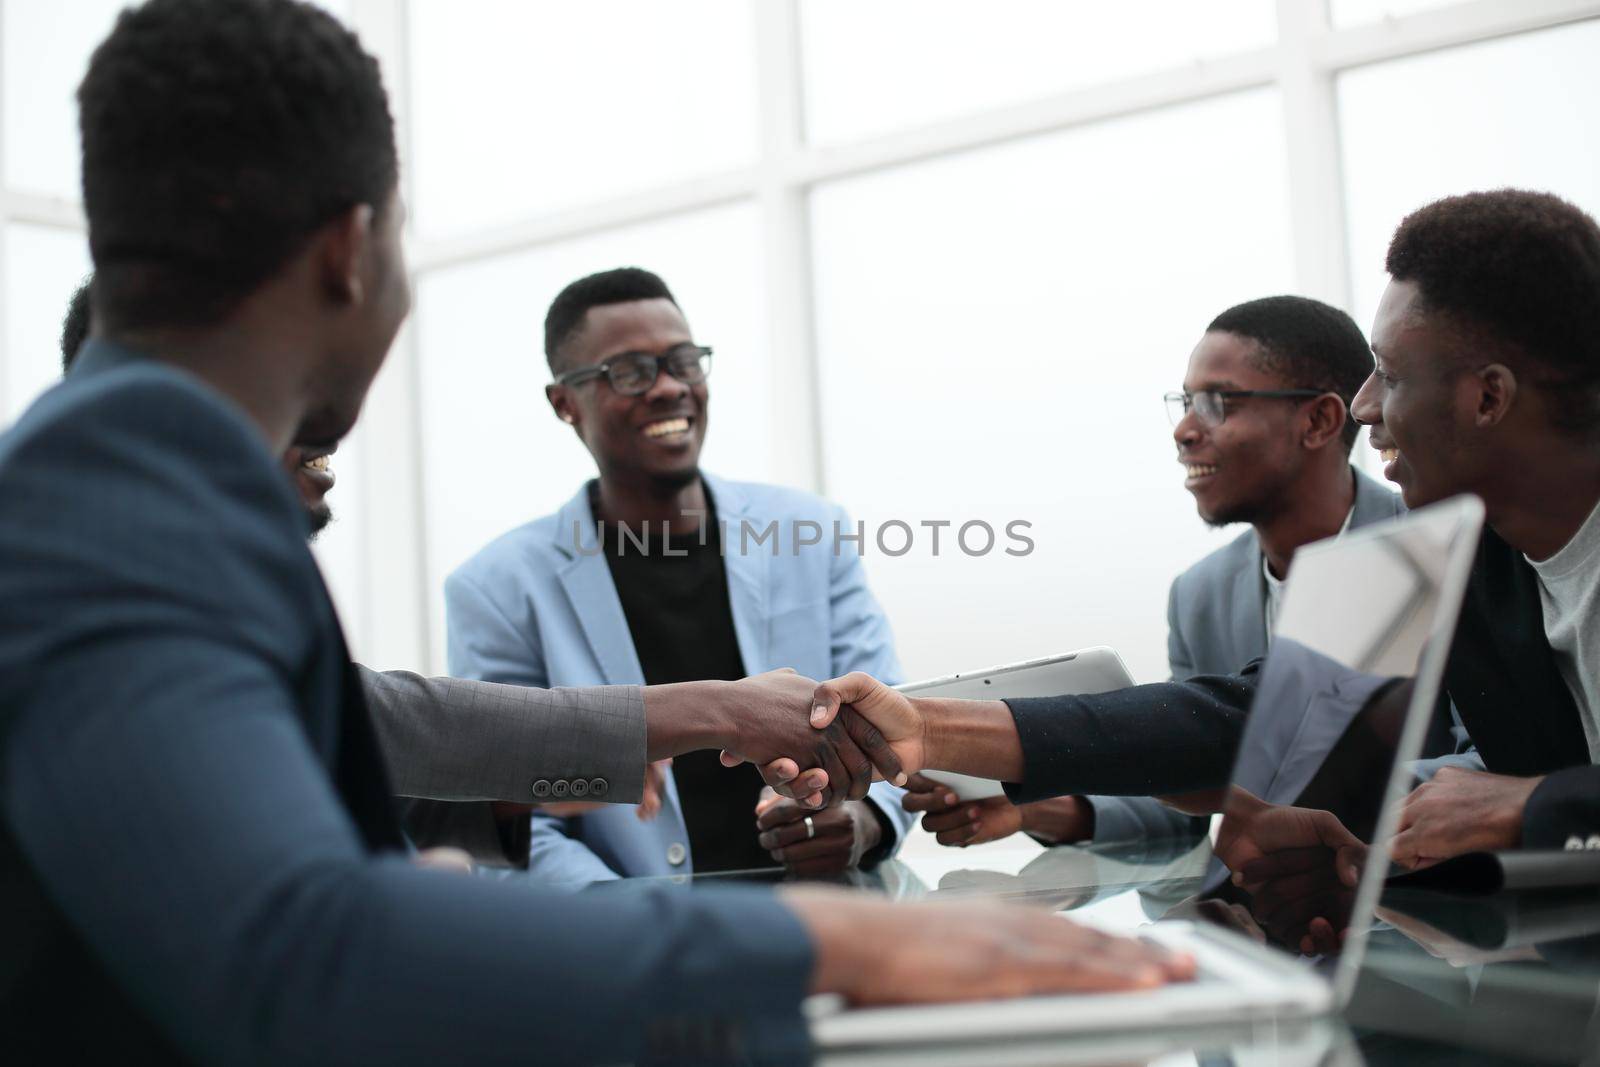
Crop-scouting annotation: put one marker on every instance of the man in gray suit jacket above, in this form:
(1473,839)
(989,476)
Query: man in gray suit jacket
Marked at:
(1264,435)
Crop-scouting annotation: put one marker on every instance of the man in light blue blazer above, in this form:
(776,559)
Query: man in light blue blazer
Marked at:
(1264,435)
(660,573)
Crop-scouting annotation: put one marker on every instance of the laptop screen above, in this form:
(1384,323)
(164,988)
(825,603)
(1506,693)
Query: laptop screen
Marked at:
(1344,700)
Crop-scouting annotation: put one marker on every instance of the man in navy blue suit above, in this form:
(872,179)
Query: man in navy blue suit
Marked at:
(198,852)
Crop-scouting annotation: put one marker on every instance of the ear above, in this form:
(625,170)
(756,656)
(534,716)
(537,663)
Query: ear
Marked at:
(1494,390)
(1326,417)
(345,245)
(561,403)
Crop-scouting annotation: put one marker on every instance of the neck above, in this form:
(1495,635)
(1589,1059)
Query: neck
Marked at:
(634,502)
(1316,508)
(248,358)
(1545,496)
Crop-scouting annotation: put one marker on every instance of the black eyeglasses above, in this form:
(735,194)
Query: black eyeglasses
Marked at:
(1212,404)
(634,373)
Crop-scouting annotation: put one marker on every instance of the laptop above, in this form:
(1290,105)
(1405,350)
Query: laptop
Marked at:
(1372,611)
(1089,670)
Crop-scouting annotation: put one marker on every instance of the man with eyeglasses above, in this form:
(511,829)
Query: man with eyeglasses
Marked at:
(657,572)
(1264,436)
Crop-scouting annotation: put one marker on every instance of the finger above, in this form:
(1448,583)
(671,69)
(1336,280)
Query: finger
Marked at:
(810,850)
(961,835)
(875,747)
(781,837)
(778,772)
(854,761)
(805,784)
(771,802)
(729,759)
(933,802)
(780,814)
(949,820)
(1404,848)
(825,701)
(921,783)
(826,756)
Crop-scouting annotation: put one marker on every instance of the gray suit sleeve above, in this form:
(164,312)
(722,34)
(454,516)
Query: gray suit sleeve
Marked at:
(453,739)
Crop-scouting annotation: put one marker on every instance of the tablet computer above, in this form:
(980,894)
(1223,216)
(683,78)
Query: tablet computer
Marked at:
(1089,670)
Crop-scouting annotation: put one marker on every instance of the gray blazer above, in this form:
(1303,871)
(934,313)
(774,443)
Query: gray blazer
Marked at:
(451,739)
(1216,623)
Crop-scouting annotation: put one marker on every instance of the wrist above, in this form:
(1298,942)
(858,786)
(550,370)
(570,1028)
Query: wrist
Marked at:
(689,716)
(976,737)
(832,920)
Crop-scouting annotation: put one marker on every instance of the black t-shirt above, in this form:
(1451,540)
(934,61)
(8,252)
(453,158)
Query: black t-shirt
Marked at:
(682,626)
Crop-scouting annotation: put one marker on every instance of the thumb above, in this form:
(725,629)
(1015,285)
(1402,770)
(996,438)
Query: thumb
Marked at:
(827,698)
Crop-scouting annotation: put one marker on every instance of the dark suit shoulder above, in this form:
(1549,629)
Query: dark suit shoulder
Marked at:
(138,496)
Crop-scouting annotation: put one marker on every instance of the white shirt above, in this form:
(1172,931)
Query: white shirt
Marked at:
(1274,586)
(1569,592)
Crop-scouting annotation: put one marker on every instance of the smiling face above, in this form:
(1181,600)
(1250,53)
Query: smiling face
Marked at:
(1421,401)
(313,477)
(1239,471)
(655,437)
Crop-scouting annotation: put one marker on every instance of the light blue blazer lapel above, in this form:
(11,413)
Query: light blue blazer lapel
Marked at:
(586,580)
(593,595)
(748,574)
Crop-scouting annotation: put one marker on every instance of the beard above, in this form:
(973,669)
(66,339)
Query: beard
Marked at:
(318,517)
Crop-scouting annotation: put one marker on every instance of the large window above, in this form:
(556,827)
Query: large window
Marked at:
(1001,355)
(949,254)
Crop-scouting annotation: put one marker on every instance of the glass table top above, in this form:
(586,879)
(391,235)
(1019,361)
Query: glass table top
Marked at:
(1506,979)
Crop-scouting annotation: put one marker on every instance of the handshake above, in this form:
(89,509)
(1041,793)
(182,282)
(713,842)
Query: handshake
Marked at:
(818,744)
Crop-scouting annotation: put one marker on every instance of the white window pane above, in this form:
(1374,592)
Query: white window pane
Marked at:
(494,454)
(876,67)
(1515,112)
(1356,12)
(996,331)
(43,266)
(46,47)
(522,108)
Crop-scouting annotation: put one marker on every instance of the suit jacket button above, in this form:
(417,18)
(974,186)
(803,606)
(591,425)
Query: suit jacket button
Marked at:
(676,854)
(541,788)
(599,787)
(580,787)
(1574,843)
(1593,842)
(560,787)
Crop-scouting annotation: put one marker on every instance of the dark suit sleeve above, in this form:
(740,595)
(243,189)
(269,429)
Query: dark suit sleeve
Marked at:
(164,784)
(1147,740)
(1564,806)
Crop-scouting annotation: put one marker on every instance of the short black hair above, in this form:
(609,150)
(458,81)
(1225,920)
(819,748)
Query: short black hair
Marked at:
(218,136)
(1309,344)
(1521,268)
(75,327)
(617,286)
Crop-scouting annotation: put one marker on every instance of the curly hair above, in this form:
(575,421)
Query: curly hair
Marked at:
(1306,343)
(618,286)
(1519,270)
(218,136)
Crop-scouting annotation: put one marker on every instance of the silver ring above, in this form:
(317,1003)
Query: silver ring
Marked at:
(811,828)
